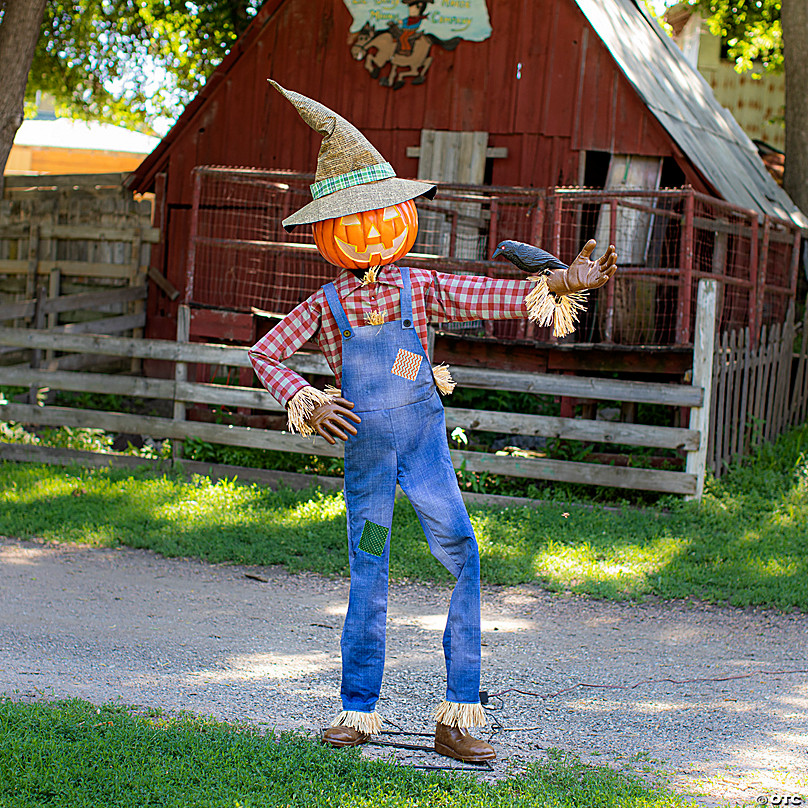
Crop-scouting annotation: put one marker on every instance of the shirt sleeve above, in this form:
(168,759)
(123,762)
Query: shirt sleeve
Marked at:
(267,355)
(455,298)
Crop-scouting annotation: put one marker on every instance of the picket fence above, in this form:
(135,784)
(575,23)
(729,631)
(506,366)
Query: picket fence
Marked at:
(759,389)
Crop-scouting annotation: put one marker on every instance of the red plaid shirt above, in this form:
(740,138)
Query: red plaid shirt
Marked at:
(436,298)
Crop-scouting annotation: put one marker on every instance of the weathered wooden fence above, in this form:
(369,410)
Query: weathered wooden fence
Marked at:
(759,390)
(74,253)
(180,391)
(738,396)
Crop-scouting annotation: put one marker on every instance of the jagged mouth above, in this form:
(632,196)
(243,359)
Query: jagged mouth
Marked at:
(371,249)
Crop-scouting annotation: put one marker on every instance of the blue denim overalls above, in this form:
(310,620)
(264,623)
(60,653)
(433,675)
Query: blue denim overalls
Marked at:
(402,439)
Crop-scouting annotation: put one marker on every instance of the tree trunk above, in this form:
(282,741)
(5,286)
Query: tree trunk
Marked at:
(19,31)
(794,18)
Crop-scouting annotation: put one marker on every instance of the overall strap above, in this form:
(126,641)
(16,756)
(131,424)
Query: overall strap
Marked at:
(336,309)
(406,298)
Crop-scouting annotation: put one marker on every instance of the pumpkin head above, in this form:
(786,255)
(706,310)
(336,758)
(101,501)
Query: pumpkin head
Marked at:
(372,238)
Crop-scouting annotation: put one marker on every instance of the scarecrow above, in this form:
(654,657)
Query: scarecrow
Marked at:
(371,325)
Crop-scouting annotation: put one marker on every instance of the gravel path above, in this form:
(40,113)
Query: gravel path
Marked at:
(130,626)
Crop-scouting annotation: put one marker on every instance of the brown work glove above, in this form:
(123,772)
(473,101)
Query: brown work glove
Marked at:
(583,273)
(328,420)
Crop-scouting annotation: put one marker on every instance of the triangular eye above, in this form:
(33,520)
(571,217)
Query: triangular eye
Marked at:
(352,218)
(390,213)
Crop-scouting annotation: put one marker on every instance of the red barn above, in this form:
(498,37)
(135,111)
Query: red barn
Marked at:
(558,93)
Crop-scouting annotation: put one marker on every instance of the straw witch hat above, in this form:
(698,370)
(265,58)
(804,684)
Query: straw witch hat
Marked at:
(351,176)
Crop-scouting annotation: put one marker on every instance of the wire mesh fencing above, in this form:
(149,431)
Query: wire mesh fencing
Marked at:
(240,257)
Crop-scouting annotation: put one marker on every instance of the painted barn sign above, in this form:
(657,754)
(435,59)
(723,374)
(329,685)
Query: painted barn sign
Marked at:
(395,38)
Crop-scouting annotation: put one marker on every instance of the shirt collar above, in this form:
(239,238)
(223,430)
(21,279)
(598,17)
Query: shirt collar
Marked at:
(347,283)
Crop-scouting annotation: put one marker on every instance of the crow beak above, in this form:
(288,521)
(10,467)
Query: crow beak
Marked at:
(497,252)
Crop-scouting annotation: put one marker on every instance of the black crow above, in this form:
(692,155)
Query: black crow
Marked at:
(528,258)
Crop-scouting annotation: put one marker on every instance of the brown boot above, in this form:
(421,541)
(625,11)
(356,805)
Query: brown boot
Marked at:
(344,736)
(455,742)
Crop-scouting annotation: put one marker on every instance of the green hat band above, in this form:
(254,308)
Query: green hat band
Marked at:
(372,173)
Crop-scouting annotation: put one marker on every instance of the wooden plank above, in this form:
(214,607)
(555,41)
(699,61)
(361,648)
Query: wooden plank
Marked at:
(772,353)
(800,398)
(167,428)
(203,353)
(786,371)
(10,266)
(93,300)
(163,283)
(181,368)
(729,373)
(72,268)
(561,470)
(746,386)
(107,179)
(675,395)
(88,232)
(128,347)
(89,270)
(760,386)
(36,356)
(710,462)
(104,325)
(573,429)
(717,424)
(23,308)
(740,381)
(674,482)
(703,361)
(491,152)
(84,300)
(33,259)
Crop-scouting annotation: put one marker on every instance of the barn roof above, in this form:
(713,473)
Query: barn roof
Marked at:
(683,102)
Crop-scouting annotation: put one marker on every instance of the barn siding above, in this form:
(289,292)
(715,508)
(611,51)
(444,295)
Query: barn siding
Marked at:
(571,97)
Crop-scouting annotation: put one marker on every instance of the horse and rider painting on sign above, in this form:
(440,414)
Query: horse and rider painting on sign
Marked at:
(395,44)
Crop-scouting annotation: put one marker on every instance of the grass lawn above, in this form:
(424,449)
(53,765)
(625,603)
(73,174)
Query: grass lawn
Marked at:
(745,544)
(72,754)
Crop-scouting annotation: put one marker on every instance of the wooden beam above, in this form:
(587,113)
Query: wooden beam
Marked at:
(675,395)
(108,179)
(573,428)
(703,360)
(84,300)
(257,398)
(560,470)
(163,283)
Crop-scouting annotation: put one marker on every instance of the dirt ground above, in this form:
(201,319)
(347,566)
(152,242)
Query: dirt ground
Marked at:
(714,699)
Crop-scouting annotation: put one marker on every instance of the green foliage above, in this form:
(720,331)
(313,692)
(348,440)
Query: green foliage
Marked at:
(132,61)
(751,30)
(71,753)
(745,544)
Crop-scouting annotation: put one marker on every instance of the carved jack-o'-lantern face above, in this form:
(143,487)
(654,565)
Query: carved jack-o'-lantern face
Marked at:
(369,239)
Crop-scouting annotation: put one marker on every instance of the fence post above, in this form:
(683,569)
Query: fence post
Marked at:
(36,354)
(703,357)
(181,371)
